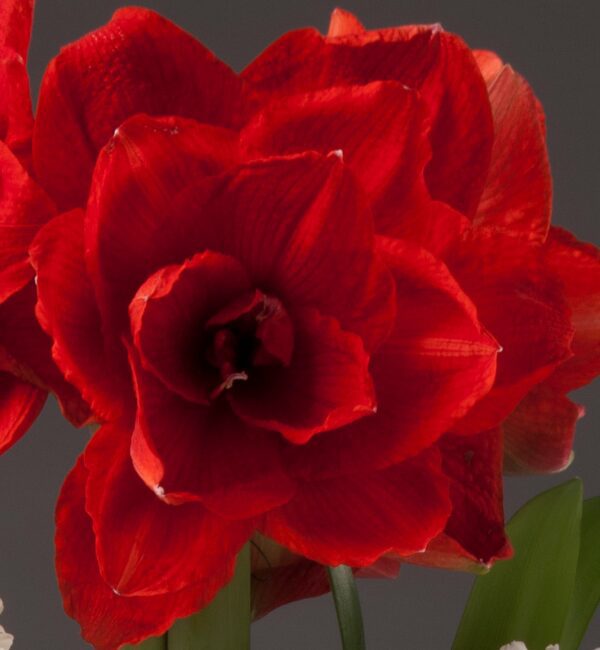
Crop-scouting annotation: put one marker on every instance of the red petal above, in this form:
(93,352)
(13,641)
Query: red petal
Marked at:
(435,365)
(518,191)
(578,266)
(20,404)
(16,119)
(326,386)
(107,620)
(144,545)
(24,208)
(30,349)
(356,519)
(15,25)
(138,174)
(343,23)
(138,63)
(381,130)
(424,58)
(280,576)
(521,302)
(474,534)
(67,311)
(297,225)
(539,433)
(190,452)
(168,314)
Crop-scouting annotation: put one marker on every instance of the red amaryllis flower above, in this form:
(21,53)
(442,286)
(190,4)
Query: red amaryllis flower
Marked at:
(291,341)
(26,369)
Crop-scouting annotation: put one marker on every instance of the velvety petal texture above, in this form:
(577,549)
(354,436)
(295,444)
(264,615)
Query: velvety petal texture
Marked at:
(108,621)
(317,305)
(138,63)
(406,506)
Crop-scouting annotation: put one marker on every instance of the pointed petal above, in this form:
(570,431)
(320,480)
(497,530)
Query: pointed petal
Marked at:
(381,130)
(406,506)
(437,64)
(539,433)
(326,386)
(343,23)
(138,63)
(108,620)
(22,338)
(67,311)
(20,404)
(297,224)
(24,208)
(192,452)
(522,304)
(474,536)
(518,191)
(145,546)
(139,173)
(15,25)
(435,365)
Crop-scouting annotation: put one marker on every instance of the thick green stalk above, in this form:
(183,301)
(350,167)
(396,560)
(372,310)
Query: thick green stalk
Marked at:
(347,605)
(225,623)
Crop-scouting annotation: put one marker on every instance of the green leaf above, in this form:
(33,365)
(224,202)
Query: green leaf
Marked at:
(527,598)
(225,623)
(586,595)
(155,643)
(347,605)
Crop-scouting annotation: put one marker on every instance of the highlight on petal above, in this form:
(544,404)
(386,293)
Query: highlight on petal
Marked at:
(518,191)
(406,506)
(20,404)
(145,546)
(109,620)
(138,63)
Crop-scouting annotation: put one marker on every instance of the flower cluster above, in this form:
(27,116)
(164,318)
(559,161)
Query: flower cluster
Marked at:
(318,303)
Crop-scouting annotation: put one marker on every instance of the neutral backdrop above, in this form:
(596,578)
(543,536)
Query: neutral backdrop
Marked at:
(555,44)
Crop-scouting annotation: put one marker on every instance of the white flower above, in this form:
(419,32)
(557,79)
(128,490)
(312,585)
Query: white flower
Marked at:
(6,640)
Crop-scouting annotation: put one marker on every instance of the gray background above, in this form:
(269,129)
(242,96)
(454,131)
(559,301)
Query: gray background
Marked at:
(555,44)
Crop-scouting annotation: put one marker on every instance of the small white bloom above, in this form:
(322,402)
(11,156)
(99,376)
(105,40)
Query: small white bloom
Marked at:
(6,640)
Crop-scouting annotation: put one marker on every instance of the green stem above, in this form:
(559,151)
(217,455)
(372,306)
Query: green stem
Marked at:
(225,623)
(347,605)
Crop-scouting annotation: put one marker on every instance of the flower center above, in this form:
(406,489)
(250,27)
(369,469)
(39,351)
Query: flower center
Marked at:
(252,331)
